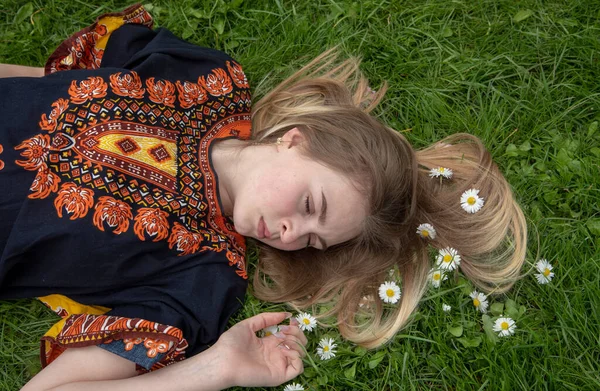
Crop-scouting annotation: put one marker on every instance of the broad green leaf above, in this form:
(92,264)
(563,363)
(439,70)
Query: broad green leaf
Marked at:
(322,380)
(455,330)
(350,373)
(497,309)
(522,310)
(470,342)
(23,13)
(592,128)
(447,32)
(376,359)
(526,146)
(594,226)
(595,151)
(522,15)
(488,327)
(563,158)
(219,25)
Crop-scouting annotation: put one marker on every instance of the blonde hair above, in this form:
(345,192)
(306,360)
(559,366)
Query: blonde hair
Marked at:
(329,102)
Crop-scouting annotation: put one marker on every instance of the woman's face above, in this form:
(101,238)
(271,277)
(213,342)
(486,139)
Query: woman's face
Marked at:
(290,201)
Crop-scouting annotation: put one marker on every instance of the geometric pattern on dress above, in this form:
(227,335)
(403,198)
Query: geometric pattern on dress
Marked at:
(143,163)
(79,330)
(84,49)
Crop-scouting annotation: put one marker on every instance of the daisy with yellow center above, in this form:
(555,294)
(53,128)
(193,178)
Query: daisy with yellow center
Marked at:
(293,387)
(479,301)
(326,349)
(545,271)
(306,321)
(426,231)
(389,292)
(440,172)
(470,201)
(448,259)
(436,276)
(267,331)
(504,327)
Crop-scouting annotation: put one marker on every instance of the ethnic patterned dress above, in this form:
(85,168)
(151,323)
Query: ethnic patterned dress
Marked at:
(109,204)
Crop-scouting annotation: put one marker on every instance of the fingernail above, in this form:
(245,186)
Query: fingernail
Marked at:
(279,335)
(294,322)
(284,327)
(288,315)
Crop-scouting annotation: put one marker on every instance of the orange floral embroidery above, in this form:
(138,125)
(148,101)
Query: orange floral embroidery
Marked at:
(187,242)
(237,74)
(162,91)
(75,199)
(35,150)
(153,222)
(131,342)
(45,182)
(49,123)
(1,162)
(217,83)
(92,87)
(116,214)
(127,85)
(155,346)
(190,94)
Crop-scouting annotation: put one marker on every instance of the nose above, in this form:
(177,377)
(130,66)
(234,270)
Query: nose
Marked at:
(288,232)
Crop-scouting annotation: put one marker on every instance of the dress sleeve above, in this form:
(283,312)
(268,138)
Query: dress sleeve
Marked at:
(153,325)
(85,49)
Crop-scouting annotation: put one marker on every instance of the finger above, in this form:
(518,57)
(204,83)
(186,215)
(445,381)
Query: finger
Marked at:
(294,366)
(291,342)
(266,319)
(295,331)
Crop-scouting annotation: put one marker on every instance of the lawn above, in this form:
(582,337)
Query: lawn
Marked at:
(521,75)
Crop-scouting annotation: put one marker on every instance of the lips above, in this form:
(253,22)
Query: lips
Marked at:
(262,230)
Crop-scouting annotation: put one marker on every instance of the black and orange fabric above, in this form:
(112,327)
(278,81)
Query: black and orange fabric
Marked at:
(109,202)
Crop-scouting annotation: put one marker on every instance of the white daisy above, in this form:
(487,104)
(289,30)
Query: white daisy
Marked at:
(293,387)
(326,348)
(306,321)
(504,327)
(440,172)
(436,276)
(448,258)
(426,230)
(389,292)
(446,308)
(270,330)
(545,275)
(479,301)
(470,201)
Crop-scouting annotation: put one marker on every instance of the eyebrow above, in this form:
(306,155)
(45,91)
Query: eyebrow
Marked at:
(323,217)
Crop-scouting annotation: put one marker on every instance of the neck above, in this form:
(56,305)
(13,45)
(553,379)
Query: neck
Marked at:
(227,157)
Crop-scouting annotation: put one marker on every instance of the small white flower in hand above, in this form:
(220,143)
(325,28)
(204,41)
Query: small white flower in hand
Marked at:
(267,331)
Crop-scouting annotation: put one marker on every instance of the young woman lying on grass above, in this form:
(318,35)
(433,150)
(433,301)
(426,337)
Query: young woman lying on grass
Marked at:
(134,170)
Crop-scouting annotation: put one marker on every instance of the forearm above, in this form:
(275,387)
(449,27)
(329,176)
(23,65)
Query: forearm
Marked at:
(9,70)
(204,372)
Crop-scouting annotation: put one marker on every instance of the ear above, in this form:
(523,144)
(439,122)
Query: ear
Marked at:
(294,137)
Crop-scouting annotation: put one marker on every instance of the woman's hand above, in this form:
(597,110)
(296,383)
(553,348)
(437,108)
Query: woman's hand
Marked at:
(267,361)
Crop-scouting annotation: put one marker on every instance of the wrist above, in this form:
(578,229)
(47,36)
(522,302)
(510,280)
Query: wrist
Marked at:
(211,368)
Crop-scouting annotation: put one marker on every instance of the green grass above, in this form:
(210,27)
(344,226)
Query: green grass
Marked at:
(522,75)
